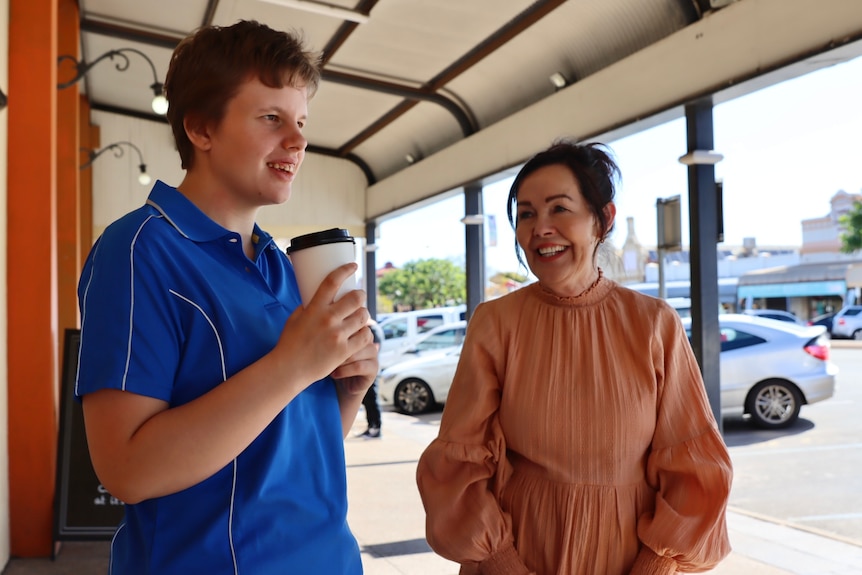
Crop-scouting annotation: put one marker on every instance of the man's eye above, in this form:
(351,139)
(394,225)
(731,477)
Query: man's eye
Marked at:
(271,117)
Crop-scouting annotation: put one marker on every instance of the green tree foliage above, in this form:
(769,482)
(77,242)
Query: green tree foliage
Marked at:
(504,277)
(425,284)
(851,237)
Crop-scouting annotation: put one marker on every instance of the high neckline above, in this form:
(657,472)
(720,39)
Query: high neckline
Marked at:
(593,294)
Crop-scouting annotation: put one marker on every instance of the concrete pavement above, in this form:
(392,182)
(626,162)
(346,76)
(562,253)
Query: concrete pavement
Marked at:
(387,517)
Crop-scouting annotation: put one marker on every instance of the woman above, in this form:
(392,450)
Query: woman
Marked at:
(577,437)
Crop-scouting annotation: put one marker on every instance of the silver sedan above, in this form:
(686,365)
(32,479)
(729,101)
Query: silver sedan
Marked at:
(770,368)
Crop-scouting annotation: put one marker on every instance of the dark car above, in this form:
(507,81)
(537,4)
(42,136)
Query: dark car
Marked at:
(824,319)
(778,314)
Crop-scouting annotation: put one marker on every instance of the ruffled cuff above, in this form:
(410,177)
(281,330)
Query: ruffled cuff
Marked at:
(648,563)
(504,562)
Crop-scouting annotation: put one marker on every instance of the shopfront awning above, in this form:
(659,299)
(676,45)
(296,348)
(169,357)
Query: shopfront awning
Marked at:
(802,280)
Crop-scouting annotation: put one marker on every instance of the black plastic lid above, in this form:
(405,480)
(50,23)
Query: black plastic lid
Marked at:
(330,236)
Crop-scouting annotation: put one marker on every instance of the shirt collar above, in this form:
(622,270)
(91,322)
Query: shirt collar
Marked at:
(190,221)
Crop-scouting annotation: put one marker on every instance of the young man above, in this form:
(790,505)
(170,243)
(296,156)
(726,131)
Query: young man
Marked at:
(215,404)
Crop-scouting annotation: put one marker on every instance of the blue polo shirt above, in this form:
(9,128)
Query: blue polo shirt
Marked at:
(170,308)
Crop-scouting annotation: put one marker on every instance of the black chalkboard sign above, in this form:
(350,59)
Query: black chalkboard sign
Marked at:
(83,509)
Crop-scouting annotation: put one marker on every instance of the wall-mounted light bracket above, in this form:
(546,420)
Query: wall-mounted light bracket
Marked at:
(143,178)
(160,103)
(473,220)
(701,158)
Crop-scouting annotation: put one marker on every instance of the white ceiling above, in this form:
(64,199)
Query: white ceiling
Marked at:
(463,85)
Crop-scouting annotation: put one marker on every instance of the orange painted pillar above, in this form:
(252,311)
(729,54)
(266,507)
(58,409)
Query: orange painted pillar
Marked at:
(68,176)
(90,138)
(32,284)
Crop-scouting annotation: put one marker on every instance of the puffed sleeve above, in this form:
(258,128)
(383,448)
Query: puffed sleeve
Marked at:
(688,466)
(462,471)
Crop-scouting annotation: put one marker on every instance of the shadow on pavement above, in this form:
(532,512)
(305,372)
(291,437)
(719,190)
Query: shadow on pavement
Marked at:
(739,431)
(398,548)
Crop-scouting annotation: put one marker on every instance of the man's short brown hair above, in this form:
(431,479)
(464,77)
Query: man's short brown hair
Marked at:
(208,67)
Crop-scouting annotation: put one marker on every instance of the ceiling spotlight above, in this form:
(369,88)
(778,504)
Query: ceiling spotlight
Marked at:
(558,80)
(410,158)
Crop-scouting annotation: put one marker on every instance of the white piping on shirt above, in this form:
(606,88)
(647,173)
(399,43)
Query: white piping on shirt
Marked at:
(224,377)
(164,215)
(84,317)
(132,299)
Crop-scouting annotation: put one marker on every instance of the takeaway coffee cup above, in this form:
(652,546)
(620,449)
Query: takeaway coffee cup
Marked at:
(315,255)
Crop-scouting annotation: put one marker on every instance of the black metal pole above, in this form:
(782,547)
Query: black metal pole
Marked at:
(475,247)
(704,232)
(371,268)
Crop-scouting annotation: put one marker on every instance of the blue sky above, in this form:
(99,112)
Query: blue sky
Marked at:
(787,150)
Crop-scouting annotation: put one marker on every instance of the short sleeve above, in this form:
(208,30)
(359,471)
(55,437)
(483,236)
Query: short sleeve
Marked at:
(129,339)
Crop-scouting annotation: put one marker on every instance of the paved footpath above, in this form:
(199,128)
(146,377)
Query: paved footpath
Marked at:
(387,517)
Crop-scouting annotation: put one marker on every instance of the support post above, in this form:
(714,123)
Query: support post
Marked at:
(475,247)
(371,267)
(703,206)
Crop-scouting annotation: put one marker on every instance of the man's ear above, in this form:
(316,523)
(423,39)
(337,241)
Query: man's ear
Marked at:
(198,132)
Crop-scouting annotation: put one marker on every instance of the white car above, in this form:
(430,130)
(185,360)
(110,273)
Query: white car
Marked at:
(416,385)
(771,368)
(403,329)
(447,335)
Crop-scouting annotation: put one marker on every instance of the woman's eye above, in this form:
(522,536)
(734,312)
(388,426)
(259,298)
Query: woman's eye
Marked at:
(524,215)
(560,209)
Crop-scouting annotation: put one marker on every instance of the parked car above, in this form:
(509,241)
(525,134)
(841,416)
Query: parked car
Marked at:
(444,336)
(682,305)
(416,385)
(402,329)
(823,319)
(777,314)
(771,368)
(847,323)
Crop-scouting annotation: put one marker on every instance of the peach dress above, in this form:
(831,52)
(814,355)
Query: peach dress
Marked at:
(577,439)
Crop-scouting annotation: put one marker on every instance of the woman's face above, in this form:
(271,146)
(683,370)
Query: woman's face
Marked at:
(557,230)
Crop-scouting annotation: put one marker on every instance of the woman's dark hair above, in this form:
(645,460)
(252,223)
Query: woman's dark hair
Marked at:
(593,168)
(208,67)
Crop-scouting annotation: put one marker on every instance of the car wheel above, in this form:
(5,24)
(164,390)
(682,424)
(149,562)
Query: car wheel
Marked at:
(857,335)
(413,396)
(774,404)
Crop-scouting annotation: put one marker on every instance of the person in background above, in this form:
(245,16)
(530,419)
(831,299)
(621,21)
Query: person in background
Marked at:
(577,438)
(372,407)
(215,404)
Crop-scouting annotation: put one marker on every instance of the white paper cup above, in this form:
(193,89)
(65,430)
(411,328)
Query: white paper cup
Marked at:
(315,255)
